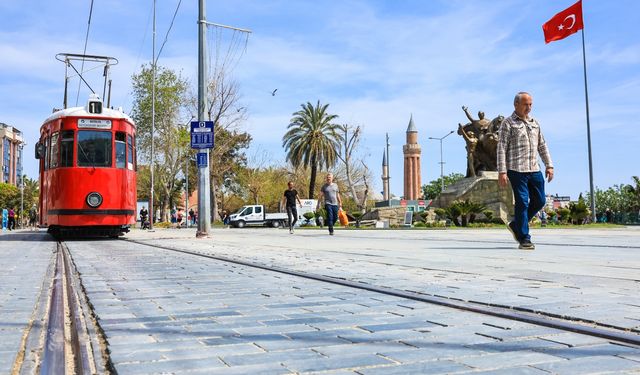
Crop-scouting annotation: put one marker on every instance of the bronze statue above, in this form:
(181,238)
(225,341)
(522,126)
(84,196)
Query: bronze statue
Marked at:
(481,136)
(472,143)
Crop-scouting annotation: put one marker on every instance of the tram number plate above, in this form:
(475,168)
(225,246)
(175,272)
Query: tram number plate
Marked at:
(201,134)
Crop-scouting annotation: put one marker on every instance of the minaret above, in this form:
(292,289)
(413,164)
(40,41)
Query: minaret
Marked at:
(412,151)
(385,176)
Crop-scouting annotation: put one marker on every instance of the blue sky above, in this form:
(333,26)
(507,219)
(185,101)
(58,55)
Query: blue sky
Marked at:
(375,62)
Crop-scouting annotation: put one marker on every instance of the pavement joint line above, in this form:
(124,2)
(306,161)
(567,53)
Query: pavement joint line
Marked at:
(540,318)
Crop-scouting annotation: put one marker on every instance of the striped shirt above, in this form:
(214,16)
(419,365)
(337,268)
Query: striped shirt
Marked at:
(519,143)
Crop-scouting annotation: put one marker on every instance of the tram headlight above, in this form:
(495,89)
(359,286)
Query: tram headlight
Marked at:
(94,199)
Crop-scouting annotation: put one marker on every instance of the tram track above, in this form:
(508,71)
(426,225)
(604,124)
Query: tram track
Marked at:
(63,336)
(536,317)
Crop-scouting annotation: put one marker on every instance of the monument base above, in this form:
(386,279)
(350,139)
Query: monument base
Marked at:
(481,189)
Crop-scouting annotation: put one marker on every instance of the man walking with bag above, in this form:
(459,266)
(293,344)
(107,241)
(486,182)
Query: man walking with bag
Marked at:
(332,201)
(520,141)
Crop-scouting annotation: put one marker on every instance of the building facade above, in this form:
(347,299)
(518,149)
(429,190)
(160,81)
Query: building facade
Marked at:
(12,143)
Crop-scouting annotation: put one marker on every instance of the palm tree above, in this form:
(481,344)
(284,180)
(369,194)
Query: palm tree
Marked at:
(312,140)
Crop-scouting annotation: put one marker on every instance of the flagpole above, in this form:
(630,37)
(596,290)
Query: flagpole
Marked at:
(586,98)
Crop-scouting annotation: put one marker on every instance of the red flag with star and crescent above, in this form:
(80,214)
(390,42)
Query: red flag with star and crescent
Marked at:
(563,24)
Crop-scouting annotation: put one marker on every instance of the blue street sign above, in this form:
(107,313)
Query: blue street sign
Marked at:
(203,160)
(201,134)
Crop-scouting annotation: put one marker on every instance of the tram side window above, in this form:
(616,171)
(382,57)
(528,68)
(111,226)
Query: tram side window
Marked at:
(121,150)
(66,149)
(94,148)
(47,153)
(130,158)
(55,151)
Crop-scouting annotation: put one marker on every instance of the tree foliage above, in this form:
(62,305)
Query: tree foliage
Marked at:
(313,140)
(433,189)
(620,198)
(170,137)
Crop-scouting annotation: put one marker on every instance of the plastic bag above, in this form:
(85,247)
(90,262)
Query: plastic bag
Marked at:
(342,216)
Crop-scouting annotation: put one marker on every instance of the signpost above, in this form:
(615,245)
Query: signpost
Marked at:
(203,159)
(201,134)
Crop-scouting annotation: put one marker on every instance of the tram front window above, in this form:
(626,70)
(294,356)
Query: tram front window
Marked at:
(94,148)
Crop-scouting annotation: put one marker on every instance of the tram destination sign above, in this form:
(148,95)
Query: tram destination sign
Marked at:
(94,123)
(201,134)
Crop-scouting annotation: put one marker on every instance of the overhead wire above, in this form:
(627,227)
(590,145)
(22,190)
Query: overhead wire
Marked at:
(166,36)
(84,52)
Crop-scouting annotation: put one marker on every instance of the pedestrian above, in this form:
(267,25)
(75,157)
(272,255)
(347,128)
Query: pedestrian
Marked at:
(192,218)
(11,224)
(143,217)
(289,200)
(179,218)
(33,214)
(520,140)
(174,216)
(330,193)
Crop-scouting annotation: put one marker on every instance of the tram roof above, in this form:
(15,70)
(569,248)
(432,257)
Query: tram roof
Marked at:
(82,112)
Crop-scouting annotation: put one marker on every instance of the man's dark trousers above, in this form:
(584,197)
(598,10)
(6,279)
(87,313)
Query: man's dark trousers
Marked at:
(332,215)
(528,192)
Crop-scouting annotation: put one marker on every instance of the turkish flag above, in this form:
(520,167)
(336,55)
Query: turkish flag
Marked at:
(563,24)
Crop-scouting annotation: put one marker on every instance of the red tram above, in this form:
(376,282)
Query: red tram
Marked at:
(87,171)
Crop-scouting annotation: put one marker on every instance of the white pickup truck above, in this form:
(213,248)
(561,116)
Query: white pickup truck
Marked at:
(255,215)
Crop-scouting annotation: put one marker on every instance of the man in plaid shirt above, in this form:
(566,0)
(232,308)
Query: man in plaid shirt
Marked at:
(520,141)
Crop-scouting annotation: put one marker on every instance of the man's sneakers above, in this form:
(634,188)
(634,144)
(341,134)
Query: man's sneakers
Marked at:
(526,245)
(290,231)
(510,226)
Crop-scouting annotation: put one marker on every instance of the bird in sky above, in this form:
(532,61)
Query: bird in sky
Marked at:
(273,93)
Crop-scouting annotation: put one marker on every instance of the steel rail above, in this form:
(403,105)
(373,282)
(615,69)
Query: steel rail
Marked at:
(540,318)
(67,347)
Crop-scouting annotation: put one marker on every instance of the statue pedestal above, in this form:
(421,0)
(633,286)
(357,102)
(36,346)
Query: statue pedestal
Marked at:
(481,189)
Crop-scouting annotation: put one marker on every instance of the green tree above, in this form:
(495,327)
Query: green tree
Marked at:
(170,136)
(634,194)
(312,140)
(9,196)
(433,189)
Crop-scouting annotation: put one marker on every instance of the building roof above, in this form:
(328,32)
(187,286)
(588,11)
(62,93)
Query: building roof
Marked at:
(412,127)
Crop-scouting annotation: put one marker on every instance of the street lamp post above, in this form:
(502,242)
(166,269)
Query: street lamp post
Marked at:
(441,161)
(21,188)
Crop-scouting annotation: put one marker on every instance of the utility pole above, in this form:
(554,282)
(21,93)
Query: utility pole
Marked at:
(204,183)
(153,115)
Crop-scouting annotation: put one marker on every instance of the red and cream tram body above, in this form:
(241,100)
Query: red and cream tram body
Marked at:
(87,171)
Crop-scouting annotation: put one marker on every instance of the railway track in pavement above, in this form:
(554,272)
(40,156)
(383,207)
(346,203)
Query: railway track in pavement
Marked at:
(63,336)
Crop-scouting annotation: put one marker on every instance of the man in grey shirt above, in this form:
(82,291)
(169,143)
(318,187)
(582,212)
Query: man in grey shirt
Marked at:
(332,201)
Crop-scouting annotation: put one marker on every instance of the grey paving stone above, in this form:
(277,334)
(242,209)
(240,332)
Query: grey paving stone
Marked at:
(168,366)
(346,361)
(519,370)
(270,357)
(431,353)
(591,365)
(607,349)
(439,367)
(496,361)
